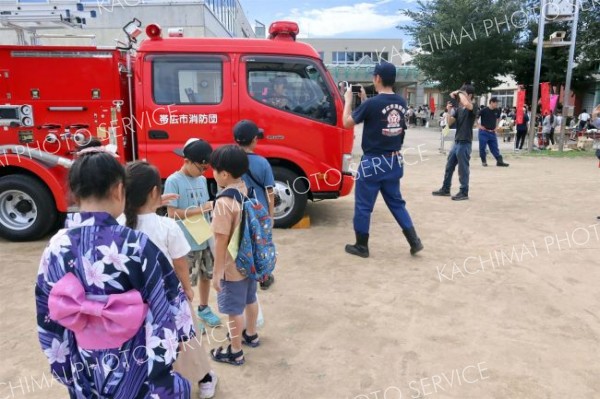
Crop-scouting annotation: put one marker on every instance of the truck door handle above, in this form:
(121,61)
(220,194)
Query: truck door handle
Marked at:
(49,126)
(77,126)
(158,134)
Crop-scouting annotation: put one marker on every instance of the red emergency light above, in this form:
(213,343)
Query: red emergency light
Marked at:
(153,31)
(284,30)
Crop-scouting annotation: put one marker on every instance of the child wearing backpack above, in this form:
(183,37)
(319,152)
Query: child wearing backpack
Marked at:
(235,216)
(191,186)
(259,176)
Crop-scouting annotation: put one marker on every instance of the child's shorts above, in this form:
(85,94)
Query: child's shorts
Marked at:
(201,265)
(235,295)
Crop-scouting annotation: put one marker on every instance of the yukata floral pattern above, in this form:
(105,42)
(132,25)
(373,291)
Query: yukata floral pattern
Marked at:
(109,259)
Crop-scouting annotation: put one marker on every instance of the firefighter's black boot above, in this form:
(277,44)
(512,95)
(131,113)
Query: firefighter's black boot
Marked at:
(413,240)
(361,248)
(500,162)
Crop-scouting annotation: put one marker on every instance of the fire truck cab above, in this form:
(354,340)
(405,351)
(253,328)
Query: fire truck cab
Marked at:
(148,101)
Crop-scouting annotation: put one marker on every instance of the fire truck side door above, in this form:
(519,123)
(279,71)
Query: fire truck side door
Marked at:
(190,97)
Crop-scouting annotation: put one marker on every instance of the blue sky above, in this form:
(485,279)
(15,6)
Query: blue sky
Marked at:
(334,18)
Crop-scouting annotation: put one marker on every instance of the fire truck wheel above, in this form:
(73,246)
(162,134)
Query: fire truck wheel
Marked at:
(291,194)
(27,209)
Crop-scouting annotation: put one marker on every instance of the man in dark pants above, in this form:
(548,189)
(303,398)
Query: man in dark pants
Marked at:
(465,116)
(488,121)
(381,166)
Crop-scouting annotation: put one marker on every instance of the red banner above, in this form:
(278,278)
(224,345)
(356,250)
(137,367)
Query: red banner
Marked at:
(431,105)
(520,105)
(545,89)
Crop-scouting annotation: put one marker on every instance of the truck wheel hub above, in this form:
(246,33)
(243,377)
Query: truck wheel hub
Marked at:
(17,210)
(284,200)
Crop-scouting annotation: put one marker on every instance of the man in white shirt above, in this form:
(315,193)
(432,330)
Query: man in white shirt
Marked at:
(583,119)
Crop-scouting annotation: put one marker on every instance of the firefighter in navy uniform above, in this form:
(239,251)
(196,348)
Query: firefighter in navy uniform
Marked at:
(381,166)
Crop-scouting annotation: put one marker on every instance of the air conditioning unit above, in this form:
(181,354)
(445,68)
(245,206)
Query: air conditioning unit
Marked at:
(559,9)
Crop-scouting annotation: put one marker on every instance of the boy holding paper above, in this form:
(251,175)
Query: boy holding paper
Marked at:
(189,210)
(236,294)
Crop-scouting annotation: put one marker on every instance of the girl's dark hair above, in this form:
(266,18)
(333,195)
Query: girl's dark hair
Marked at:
(230,158)
(141,180)
(92,175)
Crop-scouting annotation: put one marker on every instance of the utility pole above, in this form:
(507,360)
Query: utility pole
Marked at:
(567,94)
(536,78)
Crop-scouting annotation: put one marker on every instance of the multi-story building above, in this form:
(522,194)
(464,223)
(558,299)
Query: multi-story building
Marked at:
(197,18)
(353,60)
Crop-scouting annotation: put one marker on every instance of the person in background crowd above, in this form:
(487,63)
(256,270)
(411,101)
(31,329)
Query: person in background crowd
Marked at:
(488,120)
(558,121)
(596,117)
(504,127)
(464,115)
(522,130)
(410,116)
(548,129)
(583,118)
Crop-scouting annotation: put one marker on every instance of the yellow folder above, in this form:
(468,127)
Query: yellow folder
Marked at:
(198,228)
(234,242)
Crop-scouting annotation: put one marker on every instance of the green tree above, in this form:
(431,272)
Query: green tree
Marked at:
(464,40)
(554,59)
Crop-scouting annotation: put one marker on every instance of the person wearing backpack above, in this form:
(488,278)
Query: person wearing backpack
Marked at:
(236,292)
(259,176)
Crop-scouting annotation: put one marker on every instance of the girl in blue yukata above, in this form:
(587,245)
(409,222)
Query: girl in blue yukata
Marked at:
(110,309)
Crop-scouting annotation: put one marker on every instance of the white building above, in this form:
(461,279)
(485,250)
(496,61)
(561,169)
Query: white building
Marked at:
(198,18)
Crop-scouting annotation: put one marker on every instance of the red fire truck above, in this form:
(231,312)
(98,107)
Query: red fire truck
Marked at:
(149,100)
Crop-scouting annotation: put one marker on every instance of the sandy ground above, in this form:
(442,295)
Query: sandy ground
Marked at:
(513,314)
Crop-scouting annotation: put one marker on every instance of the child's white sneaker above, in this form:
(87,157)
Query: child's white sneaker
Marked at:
(207,389)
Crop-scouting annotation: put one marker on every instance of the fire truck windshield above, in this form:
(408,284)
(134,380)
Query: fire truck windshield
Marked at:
(297,87)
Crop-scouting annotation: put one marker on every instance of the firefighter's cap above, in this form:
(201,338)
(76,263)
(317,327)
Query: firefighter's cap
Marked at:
(245,131)
(385,70)
(196,150)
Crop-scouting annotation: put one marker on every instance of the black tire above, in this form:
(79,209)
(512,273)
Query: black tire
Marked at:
(37,204)
(296,188)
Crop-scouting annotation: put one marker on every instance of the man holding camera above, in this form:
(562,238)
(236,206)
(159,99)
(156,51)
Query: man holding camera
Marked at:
(464,115)
(381,166)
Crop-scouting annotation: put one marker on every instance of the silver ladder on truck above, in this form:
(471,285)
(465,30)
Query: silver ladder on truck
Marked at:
(30,18)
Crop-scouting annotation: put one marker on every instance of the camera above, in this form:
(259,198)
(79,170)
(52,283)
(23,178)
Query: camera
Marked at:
(356,88)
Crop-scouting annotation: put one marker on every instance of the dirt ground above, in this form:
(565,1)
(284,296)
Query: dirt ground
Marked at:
(502,303)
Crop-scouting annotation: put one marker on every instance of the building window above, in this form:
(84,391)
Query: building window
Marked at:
(296,87)
(225,11)
(187,81)
(352,57)
(505,98)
